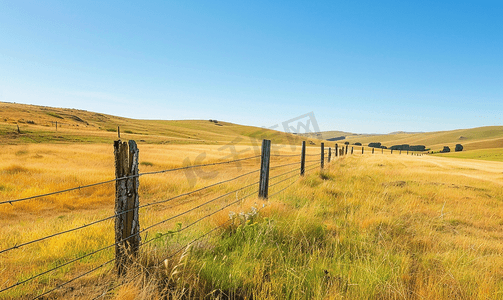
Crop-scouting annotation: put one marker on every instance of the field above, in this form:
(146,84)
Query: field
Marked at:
(371,226)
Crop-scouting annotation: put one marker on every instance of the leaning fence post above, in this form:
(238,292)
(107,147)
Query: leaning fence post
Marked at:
(329,153)
(127,227)
(263,191)
(336,150)
(322,155)
(303,159)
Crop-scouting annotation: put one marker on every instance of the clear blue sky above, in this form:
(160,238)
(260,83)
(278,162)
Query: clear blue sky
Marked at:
(361,66)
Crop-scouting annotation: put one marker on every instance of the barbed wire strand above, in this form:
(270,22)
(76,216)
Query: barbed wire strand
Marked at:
(73,279)
(284,165)
(133,235)
(123,212)
(191,242)
(170,256)
(275,193)
(285,173)
(283,180)
(121,178)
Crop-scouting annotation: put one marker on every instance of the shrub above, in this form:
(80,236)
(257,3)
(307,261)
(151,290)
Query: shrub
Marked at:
(459,147)
(446,149)
(357,144)
(375,145)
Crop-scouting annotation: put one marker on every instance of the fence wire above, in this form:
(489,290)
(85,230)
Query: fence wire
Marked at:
(122,178)
(124,212)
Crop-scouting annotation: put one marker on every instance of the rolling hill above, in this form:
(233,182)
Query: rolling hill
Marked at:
(37,124)
(471,139)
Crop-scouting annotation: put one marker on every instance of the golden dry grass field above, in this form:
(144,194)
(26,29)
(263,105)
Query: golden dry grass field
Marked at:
(376,226)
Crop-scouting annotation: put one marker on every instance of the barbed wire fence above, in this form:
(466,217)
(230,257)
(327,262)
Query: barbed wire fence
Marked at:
(128,234)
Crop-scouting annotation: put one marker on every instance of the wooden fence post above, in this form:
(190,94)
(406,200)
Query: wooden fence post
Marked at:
(322,155)
(372,150)
(400,152)
(352,150)
(303,159)
(362,150)
(127,225)
(346,150)
(336,150)
(407,152)
(263,191)
(391,151)
(382,150)
(56,125)
(329,153)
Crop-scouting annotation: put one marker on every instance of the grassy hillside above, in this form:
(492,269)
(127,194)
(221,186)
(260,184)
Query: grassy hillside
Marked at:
(471,139)
(37,124)
(493,154)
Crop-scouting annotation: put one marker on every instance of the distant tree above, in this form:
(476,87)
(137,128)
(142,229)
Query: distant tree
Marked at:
(459,147)
(446,149)
(357,144)
(375,145)
(417,148)
(346,143)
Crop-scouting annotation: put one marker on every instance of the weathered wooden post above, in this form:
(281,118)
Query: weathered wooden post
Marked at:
(382,150)
(372,150)
(407,152)
(56,125)
(127,226)
(322,155)
(303,159)
(400,152)
(391,151)
(119,132)
(336,150)
(263,191)
(352,150)
(346,149)
(362,150)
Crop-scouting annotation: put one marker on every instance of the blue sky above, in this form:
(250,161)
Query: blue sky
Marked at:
(360,66)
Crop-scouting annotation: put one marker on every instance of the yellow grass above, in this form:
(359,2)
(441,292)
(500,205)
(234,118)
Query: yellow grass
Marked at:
(422,227)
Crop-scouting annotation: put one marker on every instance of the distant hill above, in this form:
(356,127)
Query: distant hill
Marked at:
(471,139)
(37,124)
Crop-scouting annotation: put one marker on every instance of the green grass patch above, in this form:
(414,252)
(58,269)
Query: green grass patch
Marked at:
(494,154)
(55,115)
